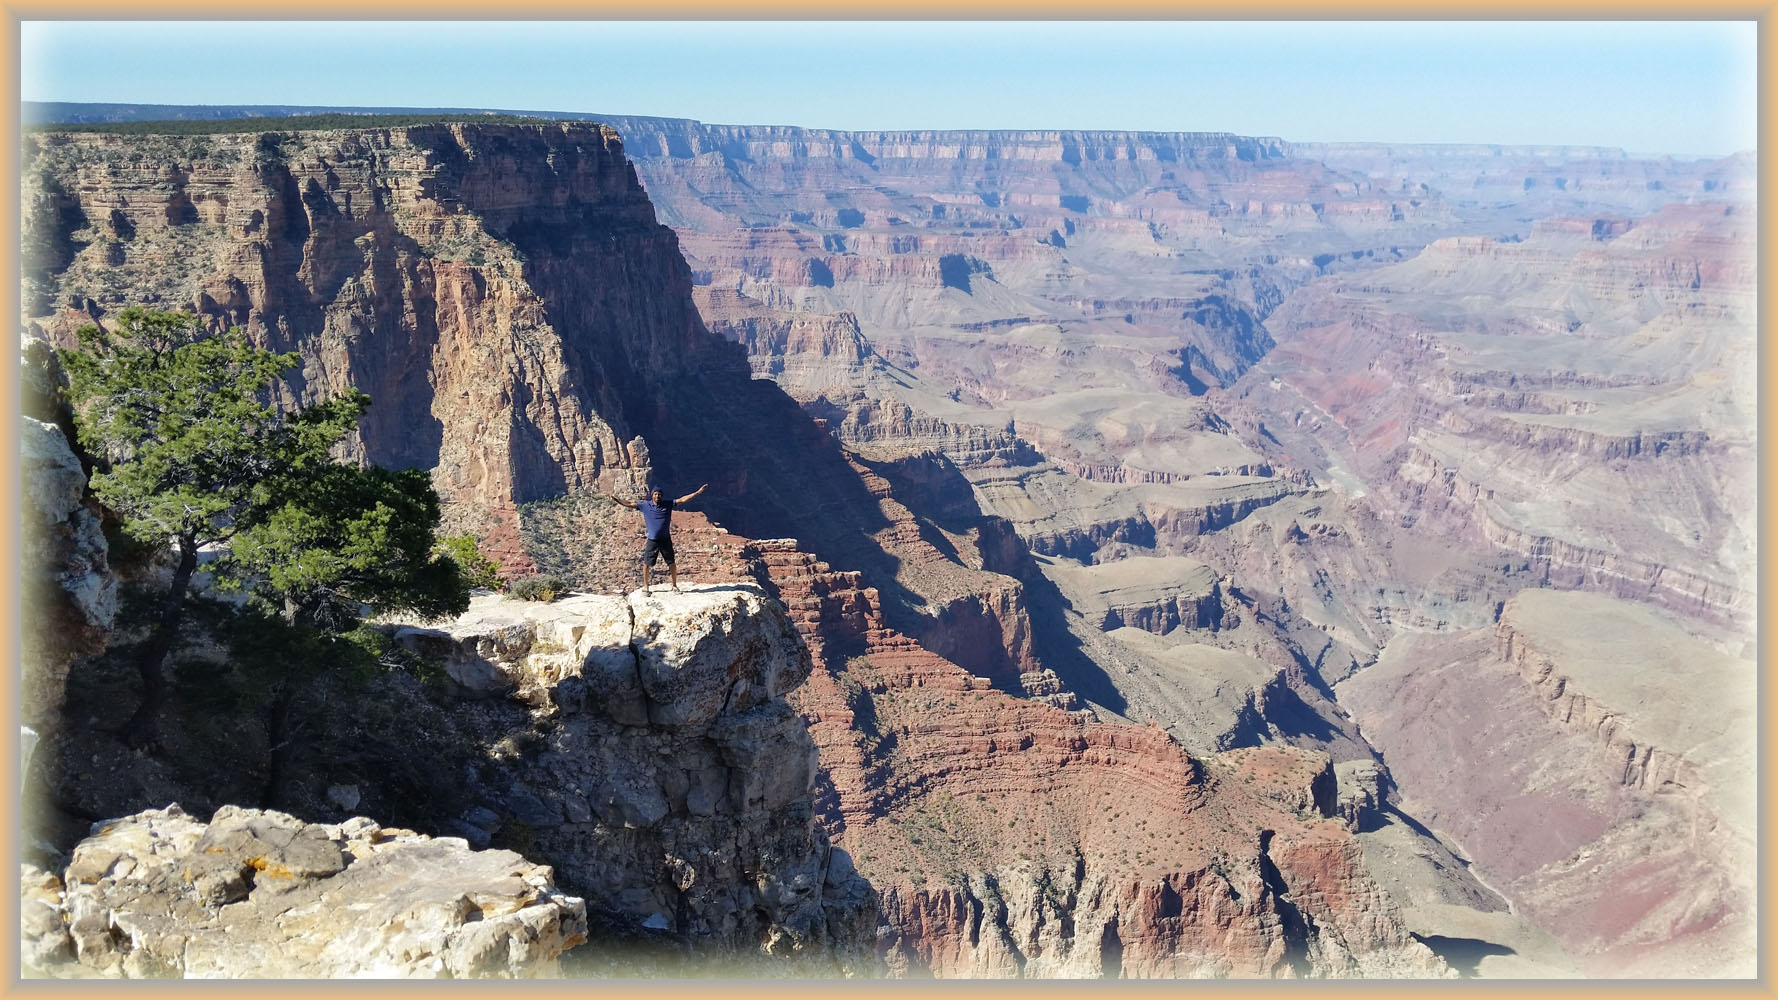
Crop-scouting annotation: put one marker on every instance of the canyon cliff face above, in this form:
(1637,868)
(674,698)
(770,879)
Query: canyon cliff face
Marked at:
(70,589)
(1589,415)
(72,592)
(524,328)
(503,293)
(392,260)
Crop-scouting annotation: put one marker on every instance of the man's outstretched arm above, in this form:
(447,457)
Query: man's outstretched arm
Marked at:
(692,495)
(617,499)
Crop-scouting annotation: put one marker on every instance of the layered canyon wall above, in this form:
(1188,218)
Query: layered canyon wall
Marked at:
(1581,402)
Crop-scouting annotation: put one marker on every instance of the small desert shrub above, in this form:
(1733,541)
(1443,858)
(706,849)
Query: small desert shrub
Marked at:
(537,588)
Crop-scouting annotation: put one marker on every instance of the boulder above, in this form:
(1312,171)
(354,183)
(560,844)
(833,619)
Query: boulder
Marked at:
(713,650)
(261,894)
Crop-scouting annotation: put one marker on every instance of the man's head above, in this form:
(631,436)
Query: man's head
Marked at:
(656,495)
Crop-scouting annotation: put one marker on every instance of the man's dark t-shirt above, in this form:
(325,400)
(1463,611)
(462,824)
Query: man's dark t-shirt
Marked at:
(656,518)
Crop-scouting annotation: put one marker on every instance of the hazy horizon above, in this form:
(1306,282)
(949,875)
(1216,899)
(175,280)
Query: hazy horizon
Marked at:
(1652,88)
(597,114)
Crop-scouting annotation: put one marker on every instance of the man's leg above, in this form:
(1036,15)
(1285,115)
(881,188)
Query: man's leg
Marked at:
(673,575)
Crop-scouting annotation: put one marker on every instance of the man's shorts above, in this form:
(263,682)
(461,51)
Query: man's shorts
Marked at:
(657,546)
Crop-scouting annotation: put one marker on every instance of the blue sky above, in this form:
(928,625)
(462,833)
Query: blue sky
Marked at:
(1672,87)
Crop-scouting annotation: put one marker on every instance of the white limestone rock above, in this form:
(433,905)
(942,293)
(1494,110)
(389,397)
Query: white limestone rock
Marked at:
(261,894)
(666,659)
(65,566)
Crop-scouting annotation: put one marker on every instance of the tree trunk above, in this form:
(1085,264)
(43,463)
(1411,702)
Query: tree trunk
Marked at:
(140,729)
(278,740)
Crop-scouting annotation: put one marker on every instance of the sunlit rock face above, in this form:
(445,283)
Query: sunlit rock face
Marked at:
(667,779)
(1581,402)
(503,293)
(1599,764)
(257,894)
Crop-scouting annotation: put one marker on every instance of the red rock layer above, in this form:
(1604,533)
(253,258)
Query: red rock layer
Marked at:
(1009,837)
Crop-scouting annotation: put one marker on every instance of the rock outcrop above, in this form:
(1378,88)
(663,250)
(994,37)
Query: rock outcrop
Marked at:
(262,895)
(659,768)
(70,592)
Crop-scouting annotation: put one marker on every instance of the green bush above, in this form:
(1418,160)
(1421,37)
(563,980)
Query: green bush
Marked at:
(476,569)
(537,588)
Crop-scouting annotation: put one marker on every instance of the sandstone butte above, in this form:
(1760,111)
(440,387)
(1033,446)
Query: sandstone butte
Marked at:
(529,330)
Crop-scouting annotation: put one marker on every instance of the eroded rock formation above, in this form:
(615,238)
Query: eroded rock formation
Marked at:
(1044,342)
(262,895)
(1610,364)
(951,794)
(1013,838)
(659,768)
(69,589)
(1598,763)
(503,293)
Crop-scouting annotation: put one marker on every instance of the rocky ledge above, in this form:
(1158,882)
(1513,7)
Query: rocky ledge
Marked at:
(657,765)
(257,894)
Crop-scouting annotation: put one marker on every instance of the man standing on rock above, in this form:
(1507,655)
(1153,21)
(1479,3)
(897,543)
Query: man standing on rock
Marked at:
(657,519)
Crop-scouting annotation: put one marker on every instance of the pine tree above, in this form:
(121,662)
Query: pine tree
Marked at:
(194,452)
